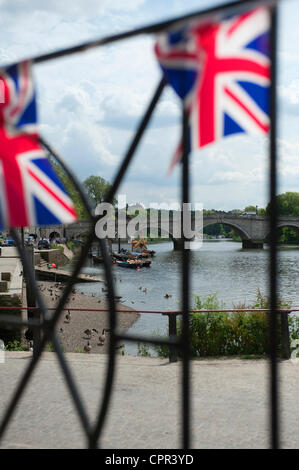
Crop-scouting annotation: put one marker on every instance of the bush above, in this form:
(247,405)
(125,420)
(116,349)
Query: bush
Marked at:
(10,333)
(231,333)
(143,350)
(15,346)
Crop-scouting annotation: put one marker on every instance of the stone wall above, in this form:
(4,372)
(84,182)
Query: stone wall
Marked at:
(54,256)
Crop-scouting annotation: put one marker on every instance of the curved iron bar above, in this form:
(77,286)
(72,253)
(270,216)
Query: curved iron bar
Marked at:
(233,7)
(49,325)
(48,328)
(107,394)
(107,263)
(134,144)
(93,436)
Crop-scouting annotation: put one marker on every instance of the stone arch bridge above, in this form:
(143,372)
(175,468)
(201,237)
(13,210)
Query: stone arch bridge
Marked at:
(253,229)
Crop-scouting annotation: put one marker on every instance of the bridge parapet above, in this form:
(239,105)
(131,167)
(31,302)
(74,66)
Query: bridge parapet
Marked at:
(253,229)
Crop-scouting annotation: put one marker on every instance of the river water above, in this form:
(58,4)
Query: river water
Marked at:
(221,267)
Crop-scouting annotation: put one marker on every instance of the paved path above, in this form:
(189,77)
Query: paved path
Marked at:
(229,397)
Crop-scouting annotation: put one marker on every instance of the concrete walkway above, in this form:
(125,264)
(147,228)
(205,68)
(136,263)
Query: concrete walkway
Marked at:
(229,403)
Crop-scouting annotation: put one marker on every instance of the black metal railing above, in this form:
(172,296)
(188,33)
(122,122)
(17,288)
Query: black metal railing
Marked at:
(47,321)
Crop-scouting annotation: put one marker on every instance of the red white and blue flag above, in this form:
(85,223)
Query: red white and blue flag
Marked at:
(31,192)
(231,91)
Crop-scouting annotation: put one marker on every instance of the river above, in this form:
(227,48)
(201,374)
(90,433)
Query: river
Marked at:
(221,267)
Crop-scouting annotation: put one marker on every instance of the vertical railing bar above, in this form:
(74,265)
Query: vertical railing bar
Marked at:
(273,240)
(185,289)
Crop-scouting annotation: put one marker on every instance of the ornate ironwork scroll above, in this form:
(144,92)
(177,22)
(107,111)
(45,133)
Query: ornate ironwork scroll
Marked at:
(48,321)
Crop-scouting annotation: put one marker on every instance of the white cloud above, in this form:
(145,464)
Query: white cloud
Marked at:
(91,103)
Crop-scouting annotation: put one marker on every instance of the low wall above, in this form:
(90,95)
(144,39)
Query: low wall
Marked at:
(53,256)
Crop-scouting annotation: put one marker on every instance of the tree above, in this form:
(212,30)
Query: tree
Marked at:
(97,189)
(259,210)
(287,204)
(71,190)
(250,209)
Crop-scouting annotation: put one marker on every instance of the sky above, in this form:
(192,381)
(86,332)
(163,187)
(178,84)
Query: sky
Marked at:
(90,103)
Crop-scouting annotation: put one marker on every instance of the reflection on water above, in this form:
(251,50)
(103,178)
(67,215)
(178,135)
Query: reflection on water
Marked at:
(221,267)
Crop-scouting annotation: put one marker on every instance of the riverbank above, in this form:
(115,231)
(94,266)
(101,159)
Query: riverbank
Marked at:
(71,332)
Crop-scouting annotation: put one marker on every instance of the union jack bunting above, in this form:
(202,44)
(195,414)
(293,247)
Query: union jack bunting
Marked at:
(177,53)
(31,192)
(231,92)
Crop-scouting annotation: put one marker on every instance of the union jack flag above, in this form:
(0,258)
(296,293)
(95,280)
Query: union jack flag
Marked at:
(231,92)
(178,56)
(31,192)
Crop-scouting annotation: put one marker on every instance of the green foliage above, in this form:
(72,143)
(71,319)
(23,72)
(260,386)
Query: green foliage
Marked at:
(70,245)
(287,204)
(210,302)
(261,211)
(255,209)
(250,209)
(15,345)
(288,236)
(231,333)
(97,189)
(143,350)
(50,347)
(58,247)
(293,326)
(216,230)
(70,188)
(234,236)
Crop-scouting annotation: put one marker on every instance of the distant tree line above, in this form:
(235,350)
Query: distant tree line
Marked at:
(97,189)
(286,204)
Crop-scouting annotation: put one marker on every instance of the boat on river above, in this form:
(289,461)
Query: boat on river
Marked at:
(134,264)
(140,246)
(125,255)
(97,259)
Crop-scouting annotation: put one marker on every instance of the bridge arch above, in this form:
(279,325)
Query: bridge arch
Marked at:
(293,225)
(54,234)
(233,225)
